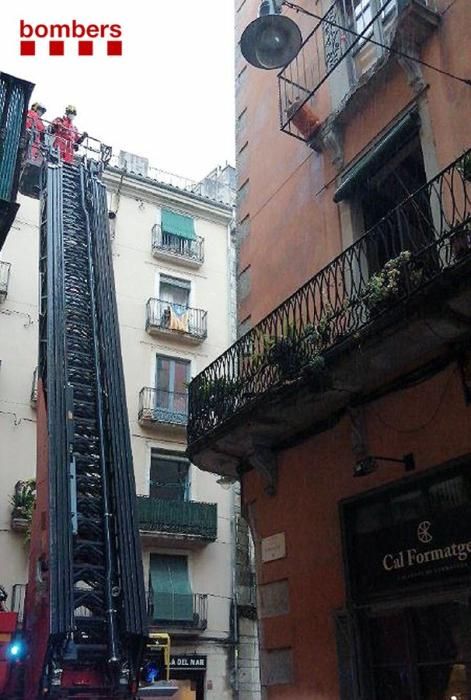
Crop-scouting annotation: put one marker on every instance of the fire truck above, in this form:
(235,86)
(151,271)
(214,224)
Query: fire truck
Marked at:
(85,634)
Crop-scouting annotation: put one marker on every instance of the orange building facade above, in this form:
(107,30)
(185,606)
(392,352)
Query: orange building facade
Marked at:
(345,405)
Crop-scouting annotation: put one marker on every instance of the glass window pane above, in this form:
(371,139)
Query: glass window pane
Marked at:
(448,494)
(181,377)
(163,373)
(408,506)
(393,684)
(168,479)
(444,682)
(388,636)
(442,632)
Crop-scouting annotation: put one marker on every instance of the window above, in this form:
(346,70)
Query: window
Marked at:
(170,588)
(172,378)
(422,652)
(169,477)
(360,14)
(174,290)
(178,232)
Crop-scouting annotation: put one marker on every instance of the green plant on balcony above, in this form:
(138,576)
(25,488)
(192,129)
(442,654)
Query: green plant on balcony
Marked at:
(388,284)
(220,395)
(295,351)
(465,167)
(23,501)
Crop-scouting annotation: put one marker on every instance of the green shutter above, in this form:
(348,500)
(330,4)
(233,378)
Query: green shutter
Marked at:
(173,598)
(178,225)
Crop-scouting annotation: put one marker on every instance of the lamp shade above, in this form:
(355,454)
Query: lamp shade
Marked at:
(270,41)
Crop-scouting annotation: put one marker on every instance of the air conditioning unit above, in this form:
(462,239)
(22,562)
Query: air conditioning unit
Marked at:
(133,164)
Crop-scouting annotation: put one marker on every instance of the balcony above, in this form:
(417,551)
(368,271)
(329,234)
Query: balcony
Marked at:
(346,51)
(165,318)
(167,246)
(33,399)
(5,268)
(18,597)
(177,523)
(401,292)
(182,613)
(164,408)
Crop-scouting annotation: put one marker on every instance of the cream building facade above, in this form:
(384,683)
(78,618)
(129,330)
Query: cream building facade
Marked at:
(174,267)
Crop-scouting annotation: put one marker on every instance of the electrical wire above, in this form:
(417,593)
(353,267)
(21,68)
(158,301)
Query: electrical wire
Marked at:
(397,52)
(429,420)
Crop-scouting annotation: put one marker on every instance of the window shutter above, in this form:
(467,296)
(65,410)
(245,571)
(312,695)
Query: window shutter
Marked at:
(161,587)
(347,656)
(173,598)
(178,225)
(175,282)
(183,597)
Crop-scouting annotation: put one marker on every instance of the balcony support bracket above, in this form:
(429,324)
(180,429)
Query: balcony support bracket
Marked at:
(359,434)
(330,138)
(264,461)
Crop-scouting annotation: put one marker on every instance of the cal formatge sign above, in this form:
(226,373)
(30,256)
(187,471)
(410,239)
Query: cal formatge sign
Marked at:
(411,551)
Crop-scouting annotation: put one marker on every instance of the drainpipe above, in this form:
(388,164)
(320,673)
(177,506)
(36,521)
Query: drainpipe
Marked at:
(235,618)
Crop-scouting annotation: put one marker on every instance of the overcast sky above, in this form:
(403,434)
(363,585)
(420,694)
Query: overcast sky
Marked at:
(169,97)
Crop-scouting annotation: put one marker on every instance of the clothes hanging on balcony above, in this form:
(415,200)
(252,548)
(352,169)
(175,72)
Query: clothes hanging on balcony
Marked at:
(178,318)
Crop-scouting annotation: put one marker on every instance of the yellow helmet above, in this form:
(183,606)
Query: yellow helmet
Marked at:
(38,106)
(70,109)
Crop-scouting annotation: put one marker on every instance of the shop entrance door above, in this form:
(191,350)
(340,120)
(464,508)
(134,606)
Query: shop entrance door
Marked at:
(187,690)
(421,653)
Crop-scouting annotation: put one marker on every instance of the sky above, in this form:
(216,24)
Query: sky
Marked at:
(169,97)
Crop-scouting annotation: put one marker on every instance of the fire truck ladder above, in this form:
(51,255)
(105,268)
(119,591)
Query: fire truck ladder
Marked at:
(96,593)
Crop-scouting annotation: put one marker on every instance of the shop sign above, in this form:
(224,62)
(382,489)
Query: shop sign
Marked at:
(422,551)
(194,662)
(274,547)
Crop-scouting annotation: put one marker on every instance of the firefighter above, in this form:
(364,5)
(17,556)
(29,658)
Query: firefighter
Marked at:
(67,138)
(36,131)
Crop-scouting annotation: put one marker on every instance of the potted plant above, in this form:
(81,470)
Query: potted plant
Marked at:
(387,284)
(23,501)
(465,166)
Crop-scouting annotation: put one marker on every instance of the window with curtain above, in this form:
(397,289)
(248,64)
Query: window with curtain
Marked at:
(175,291)
(169,477)
(171,589)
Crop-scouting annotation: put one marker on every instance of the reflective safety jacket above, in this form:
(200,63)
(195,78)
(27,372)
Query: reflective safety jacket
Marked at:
(35,127)
(66,137)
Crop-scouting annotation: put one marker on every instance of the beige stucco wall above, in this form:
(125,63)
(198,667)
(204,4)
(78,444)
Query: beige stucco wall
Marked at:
(18,355)
(136,276)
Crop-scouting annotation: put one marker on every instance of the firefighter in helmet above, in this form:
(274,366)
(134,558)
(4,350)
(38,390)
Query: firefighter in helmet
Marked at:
(36,130)
(67,138)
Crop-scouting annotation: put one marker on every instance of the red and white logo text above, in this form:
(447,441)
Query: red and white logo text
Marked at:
(70,38)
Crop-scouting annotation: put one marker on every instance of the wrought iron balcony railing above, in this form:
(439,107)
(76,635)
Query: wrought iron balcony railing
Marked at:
(33,399)
(176,319)
(5,268)
(18,596)
(189,518)
(349,39)
(178,610)
(427,236)
(169,245)
(165,407)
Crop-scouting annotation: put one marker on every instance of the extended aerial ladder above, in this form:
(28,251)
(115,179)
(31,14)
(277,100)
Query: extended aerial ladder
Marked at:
(85,632)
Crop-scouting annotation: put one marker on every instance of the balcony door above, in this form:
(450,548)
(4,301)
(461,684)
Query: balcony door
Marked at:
(172,378)
(408,227)
(171,590)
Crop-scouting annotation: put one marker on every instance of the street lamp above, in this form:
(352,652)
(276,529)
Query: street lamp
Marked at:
(272,40)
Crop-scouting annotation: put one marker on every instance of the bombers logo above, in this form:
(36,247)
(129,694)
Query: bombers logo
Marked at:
(58,34)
